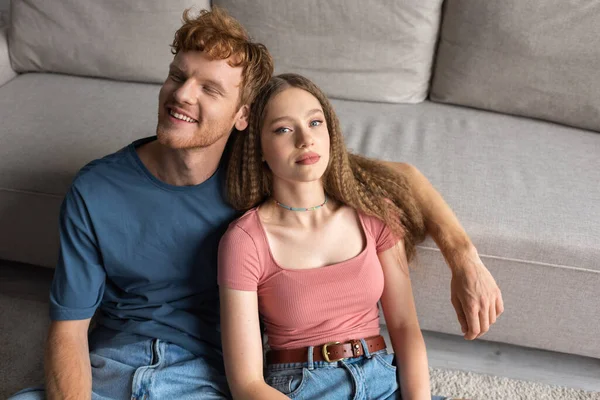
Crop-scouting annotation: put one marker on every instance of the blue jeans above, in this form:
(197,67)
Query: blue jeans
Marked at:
(150,369)
(372,376)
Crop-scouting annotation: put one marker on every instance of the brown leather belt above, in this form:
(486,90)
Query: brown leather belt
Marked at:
(329,352)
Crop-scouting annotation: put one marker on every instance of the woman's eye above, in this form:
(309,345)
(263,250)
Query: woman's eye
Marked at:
(176,78)
(316,122)
(282,130)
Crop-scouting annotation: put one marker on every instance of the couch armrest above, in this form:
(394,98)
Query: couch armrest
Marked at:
(6,71)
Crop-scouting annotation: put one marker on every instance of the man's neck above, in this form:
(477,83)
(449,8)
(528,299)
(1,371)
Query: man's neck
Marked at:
(181,167)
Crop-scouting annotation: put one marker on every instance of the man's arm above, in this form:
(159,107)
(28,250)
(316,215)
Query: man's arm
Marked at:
(67,361)
(76,292)
(475,295)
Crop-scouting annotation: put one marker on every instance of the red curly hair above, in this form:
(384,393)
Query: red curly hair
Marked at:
(222,37)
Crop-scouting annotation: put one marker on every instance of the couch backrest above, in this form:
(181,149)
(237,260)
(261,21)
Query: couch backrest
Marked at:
(4,10)
(378,50)
(535,58)
(6,72)
(124,40)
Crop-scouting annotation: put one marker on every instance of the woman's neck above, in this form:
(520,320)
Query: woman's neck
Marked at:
(298,196)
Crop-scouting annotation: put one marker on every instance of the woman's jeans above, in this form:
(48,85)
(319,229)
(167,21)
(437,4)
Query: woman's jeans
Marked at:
(372,376)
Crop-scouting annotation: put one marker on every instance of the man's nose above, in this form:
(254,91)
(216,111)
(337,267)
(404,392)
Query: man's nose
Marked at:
(186,93)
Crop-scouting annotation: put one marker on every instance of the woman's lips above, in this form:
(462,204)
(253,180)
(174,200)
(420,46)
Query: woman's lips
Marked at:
(308,159)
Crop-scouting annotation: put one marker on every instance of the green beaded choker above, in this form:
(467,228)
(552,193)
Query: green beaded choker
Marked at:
(301,208)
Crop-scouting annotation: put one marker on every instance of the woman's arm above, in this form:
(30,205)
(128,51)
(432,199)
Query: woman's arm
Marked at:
(475,295)
(242,346)
(401,320)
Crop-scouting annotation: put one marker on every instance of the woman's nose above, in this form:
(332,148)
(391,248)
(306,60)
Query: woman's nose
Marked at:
(304,138)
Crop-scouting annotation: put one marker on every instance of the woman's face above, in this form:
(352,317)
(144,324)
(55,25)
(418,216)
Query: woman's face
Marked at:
(294,136)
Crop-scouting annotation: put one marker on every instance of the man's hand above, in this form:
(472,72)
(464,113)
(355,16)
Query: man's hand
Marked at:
(475,296)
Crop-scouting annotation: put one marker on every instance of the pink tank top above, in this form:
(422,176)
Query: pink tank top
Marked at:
(306,307)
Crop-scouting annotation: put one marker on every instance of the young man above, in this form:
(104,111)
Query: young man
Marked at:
(140,230)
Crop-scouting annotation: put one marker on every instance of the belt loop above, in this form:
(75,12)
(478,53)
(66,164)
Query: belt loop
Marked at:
(311,363)
(366,348)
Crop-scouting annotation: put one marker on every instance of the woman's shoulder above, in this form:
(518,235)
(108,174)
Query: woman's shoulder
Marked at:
(248,219)
(246,225)
(244,236)
(375,227)
(369,224)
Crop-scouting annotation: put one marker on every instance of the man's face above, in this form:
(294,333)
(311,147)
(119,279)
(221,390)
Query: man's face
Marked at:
(198,103)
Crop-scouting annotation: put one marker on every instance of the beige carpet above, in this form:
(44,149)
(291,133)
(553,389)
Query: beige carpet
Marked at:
(474,386)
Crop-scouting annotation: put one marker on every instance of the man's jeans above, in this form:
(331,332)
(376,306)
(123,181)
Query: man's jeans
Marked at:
(150,369)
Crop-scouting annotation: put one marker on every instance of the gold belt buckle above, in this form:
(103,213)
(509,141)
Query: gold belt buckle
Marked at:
(326,353)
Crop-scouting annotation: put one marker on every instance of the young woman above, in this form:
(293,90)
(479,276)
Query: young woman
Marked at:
(328,235)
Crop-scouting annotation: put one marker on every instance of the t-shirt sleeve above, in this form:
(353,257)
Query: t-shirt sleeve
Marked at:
(79,277)
(384,237)
(239,261)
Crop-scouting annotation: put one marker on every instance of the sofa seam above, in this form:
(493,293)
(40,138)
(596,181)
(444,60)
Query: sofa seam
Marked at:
(31,193)
(540,263)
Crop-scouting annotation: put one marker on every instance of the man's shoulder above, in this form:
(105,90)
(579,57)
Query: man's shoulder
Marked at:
(101,165)
(103,171)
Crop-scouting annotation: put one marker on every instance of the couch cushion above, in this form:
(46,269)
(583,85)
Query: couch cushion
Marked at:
(375,51)
(53,124)
(127,40)
(523,189)
(536,58)
(6,71)
(526,192)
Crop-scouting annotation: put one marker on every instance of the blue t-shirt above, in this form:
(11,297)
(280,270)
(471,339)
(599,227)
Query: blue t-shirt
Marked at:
(142,251)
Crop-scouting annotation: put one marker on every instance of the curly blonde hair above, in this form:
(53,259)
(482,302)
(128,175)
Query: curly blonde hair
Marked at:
(359,182)
(221,36)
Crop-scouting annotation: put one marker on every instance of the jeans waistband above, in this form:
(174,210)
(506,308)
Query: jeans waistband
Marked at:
(320,364)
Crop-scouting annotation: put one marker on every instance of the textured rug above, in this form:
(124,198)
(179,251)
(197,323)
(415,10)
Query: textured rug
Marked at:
(474,386)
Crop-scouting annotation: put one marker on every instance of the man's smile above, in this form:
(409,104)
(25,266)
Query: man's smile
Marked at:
(178,114)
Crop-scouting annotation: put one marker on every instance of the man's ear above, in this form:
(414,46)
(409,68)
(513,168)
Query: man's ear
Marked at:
(242,116)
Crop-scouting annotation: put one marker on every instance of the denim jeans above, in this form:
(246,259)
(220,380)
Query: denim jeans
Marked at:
(150,369)
(372,376)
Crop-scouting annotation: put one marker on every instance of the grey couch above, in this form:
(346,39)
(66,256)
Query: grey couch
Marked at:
(497,103)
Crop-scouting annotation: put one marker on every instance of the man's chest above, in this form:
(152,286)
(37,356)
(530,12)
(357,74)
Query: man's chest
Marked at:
(161,241)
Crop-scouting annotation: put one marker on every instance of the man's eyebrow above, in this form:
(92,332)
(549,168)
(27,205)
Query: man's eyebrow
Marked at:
(285,117)
(216,84)
(212,82)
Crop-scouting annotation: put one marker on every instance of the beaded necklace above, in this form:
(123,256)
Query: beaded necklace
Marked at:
(301,208)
